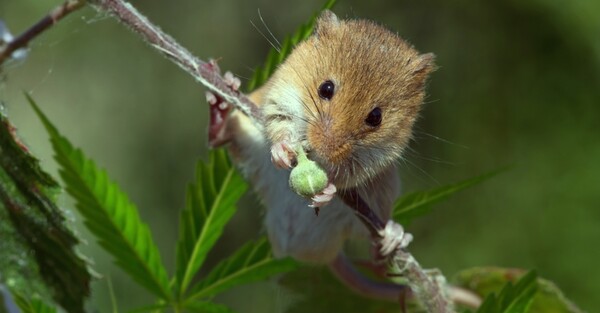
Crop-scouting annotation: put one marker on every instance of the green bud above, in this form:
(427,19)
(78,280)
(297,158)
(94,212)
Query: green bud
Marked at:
(307,178)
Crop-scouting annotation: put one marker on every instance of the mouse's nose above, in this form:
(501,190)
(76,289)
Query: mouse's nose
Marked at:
(328,145)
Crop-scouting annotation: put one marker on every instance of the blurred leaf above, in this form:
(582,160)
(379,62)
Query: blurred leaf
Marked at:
(252,262)
(206,307)
(418,203)
(488,280)
(151,308)
(210,205)
(33,305)
(37,253)
(274,58)
(320,292)
(513,298)
(108,214)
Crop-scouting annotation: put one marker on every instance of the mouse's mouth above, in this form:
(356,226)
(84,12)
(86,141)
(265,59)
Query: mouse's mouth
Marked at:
(344,171)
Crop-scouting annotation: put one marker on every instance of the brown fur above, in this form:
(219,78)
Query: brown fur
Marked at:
(371,67)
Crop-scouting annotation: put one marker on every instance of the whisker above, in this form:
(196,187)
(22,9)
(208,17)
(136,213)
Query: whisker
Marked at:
(268,29)
(418,131)
(288,115)
(412,152)
(406,161)
(315,103)
(267,39)
(310,94)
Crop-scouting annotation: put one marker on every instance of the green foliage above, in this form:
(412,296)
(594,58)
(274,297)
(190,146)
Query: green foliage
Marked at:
(32,305)
(109,214)
(415,204)
(252,262)
(114,220)
(513,298)
(490,280)
(274,58)
(206,307)
(37,254)
(318,291)
(209,206)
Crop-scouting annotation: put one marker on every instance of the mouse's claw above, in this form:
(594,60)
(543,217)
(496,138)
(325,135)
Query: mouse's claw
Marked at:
(393,238)
(322,199)
(212,65)
(219,108)
(232,81)
(283,155)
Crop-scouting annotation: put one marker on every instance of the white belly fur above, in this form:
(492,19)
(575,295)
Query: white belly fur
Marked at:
(293,228)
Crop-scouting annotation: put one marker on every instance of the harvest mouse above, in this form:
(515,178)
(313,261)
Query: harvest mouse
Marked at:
(348,96)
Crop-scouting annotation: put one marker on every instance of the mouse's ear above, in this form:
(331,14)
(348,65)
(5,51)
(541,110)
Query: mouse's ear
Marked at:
(421,67)
(325,23)
(424,64)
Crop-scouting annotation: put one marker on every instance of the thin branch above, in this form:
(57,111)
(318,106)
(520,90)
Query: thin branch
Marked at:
(431,292)
(362,210)
(46,22)
(202,71)
(426,289)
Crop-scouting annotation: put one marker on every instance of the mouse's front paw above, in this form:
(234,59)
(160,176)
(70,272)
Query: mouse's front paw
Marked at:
(219,108)
(283,155)
(322,198)
(219,111)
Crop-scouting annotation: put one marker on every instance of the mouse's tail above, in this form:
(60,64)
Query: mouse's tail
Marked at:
(347,273)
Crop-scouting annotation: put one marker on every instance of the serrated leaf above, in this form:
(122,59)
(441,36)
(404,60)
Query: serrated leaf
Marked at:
(37,249)
(33,305)
(521,297)
(274,58)
(159,307)
(108,214)
(513,298)
(418,203)
(252,262)
(488,281)
(210,205)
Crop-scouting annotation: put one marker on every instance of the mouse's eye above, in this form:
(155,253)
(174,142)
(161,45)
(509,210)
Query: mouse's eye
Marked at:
(374,117)
(326,90)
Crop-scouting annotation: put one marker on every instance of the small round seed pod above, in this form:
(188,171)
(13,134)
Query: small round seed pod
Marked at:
(307,178)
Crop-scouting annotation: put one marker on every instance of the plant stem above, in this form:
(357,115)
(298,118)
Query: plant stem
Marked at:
(46,22)
(202,71)
(430,292)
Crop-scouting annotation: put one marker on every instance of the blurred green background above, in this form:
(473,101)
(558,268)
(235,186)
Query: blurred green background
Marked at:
(518,83)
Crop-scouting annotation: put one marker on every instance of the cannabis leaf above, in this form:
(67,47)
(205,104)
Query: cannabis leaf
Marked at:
(37,249)
(108,213)
(206,307)
(487,280)
(513,298)
(33,305)
(210,205)
(252,262)
(418,203)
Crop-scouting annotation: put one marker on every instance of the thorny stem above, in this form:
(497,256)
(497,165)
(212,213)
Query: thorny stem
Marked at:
(46,22)
(200,70)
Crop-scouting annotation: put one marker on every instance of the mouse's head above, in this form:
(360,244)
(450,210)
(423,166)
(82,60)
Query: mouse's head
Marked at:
(360,88)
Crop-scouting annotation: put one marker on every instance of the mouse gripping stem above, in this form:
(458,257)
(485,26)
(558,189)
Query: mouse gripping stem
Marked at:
(392,241)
